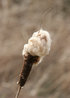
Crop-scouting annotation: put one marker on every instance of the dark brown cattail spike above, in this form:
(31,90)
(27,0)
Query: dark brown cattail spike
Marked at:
(29,60)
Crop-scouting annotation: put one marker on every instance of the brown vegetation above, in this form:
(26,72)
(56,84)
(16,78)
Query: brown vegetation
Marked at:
(18,20)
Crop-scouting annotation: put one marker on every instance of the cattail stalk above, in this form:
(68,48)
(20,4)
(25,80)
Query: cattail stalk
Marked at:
(38,46)
(17,94)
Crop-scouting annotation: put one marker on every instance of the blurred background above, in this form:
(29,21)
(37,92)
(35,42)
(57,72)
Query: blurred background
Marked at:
(18,20)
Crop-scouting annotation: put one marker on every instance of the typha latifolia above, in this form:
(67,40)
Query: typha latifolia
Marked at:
(34,51)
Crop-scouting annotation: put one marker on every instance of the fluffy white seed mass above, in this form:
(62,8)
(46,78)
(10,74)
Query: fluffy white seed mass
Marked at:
(39,44)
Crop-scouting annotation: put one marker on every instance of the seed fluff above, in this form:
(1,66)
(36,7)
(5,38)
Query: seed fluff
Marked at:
(38,45)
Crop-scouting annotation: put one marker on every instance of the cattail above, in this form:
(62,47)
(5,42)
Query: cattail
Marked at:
(38,46)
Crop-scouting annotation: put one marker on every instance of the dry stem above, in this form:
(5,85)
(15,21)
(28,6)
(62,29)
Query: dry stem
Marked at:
(17,94)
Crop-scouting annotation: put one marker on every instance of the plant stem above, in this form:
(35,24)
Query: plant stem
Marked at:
(17,94)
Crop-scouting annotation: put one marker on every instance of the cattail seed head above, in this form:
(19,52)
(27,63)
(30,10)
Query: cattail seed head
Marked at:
(38,45)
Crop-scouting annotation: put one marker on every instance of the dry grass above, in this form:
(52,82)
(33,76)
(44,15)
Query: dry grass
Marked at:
(18,20)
